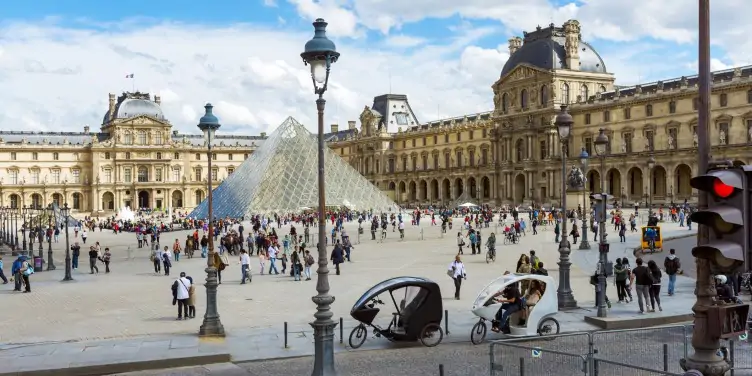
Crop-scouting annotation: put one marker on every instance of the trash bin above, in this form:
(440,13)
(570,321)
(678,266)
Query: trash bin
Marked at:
(37,263)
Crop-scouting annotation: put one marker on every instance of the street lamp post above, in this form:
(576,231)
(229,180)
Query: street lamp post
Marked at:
(24,212)
(50,231)
(40,232)
(564,123)
(651,166)
(2,224)
(601,144)
(211,326)
(320,53)
(65,212)
(584,243)
(16,214)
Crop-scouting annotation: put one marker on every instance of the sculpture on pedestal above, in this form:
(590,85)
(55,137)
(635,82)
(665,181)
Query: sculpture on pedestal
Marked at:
(575,178)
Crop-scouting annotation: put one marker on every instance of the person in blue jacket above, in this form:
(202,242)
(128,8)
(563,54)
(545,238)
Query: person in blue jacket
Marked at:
(15,270)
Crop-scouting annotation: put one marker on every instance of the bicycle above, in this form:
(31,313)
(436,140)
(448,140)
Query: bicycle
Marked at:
(490,255)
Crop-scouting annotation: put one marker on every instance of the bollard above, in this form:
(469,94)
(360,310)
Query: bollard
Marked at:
(421,233)
(341,330)
(285,334)
(731,356)
(522,366)
(446,321)
(665,357)
(441,370)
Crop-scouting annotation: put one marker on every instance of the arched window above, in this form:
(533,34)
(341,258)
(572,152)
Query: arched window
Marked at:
(544,95)
(584,92)
(504,102)
(523,98)
(143,174)
(602,89)
(565,93)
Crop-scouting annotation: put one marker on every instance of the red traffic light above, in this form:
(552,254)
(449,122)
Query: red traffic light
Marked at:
(721,189)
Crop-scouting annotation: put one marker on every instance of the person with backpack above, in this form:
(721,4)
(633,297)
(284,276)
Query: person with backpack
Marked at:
(621,275)
(672,265)
(26,270)
(308,263)
(534,260)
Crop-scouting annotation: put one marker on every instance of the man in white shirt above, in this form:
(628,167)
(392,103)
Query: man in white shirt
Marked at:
(245,266)
(402,229)
(272,252)
(180,294)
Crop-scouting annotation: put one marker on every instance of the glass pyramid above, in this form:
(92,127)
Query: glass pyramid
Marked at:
(280,176)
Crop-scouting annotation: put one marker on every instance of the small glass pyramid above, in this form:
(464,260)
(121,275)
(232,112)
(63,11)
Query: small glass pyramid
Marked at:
(281,176)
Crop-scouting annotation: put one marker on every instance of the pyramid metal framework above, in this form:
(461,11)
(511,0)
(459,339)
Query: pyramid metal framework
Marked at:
(281,176)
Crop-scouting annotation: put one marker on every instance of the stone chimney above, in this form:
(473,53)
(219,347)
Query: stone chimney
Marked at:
(351,124)
(158,100)
(572,44)
(514,45)
(112,106)
(86,129)
(335,128)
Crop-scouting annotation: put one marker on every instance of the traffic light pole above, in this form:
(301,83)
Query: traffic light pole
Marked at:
(704,358)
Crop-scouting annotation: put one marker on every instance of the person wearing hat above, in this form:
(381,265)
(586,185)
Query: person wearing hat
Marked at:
(180,294)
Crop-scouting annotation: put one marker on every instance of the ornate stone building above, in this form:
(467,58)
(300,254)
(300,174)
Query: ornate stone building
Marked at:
(512,154)
(135,160)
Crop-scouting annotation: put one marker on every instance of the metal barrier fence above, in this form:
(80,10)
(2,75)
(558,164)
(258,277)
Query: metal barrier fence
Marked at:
(650,351)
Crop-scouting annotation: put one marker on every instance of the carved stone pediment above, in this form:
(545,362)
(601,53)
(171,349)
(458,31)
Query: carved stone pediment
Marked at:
(519,73)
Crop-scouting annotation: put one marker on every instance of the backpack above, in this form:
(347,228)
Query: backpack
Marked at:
(621,274)
(29,269)
(672,266)
(309,260)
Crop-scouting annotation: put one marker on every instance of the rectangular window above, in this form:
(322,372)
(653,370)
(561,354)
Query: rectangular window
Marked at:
(108,176)
(35,156)
(175,174)
(158,174)
(214,156)
(127,175)
(391,165)
(447,160)
(458,163)
(198,156)
(446,138)
(229,156)
(13,156)
(14,176)
(414,163)
(606,116)
(459,136)
(176,156)
(627,113)
(587,118)
(425,162)
(56,176)
(142,137)
(197,171)
(230,170)
(672,107)
(628,142)
(483,157)
(35,177)
(471,158)
(158,138)
(485,132)
(589,145)
(56,156)
(542,150)
(76,176)
(215,173)
(159,155)
(435,139)
(413,142)
(435,161)
(723,99)
(472,134)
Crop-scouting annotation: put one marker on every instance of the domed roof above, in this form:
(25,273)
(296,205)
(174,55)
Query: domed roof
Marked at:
(130,105)
(544,48)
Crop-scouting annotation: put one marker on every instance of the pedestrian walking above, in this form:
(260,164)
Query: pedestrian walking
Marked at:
(457,273)
(672,265)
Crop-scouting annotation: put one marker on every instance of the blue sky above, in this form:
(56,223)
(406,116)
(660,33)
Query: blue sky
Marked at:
(243,55)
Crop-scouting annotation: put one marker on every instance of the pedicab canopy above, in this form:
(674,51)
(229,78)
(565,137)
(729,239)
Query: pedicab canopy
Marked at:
(421,296)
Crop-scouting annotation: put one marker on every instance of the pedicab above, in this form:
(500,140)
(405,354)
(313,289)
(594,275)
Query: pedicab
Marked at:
(417,312)
(645,241)
(532,320)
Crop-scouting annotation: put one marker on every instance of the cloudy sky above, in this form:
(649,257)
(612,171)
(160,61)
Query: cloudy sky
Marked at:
(60,58)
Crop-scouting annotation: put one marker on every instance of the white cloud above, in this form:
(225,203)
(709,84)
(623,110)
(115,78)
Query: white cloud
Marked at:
(400,41)
(342,22)
(270,3)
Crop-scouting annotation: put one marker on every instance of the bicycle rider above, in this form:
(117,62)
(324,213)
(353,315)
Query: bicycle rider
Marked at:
(650,236)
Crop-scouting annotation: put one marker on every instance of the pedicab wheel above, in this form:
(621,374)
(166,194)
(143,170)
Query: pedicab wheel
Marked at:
(548,327)
(431,335)
(358,336)
(479,332)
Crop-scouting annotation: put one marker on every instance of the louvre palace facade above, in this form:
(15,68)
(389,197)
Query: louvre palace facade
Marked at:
(512,154)
(509,155)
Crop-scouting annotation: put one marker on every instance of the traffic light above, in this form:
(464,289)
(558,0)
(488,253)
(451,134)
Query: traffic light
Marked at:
(727,217)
